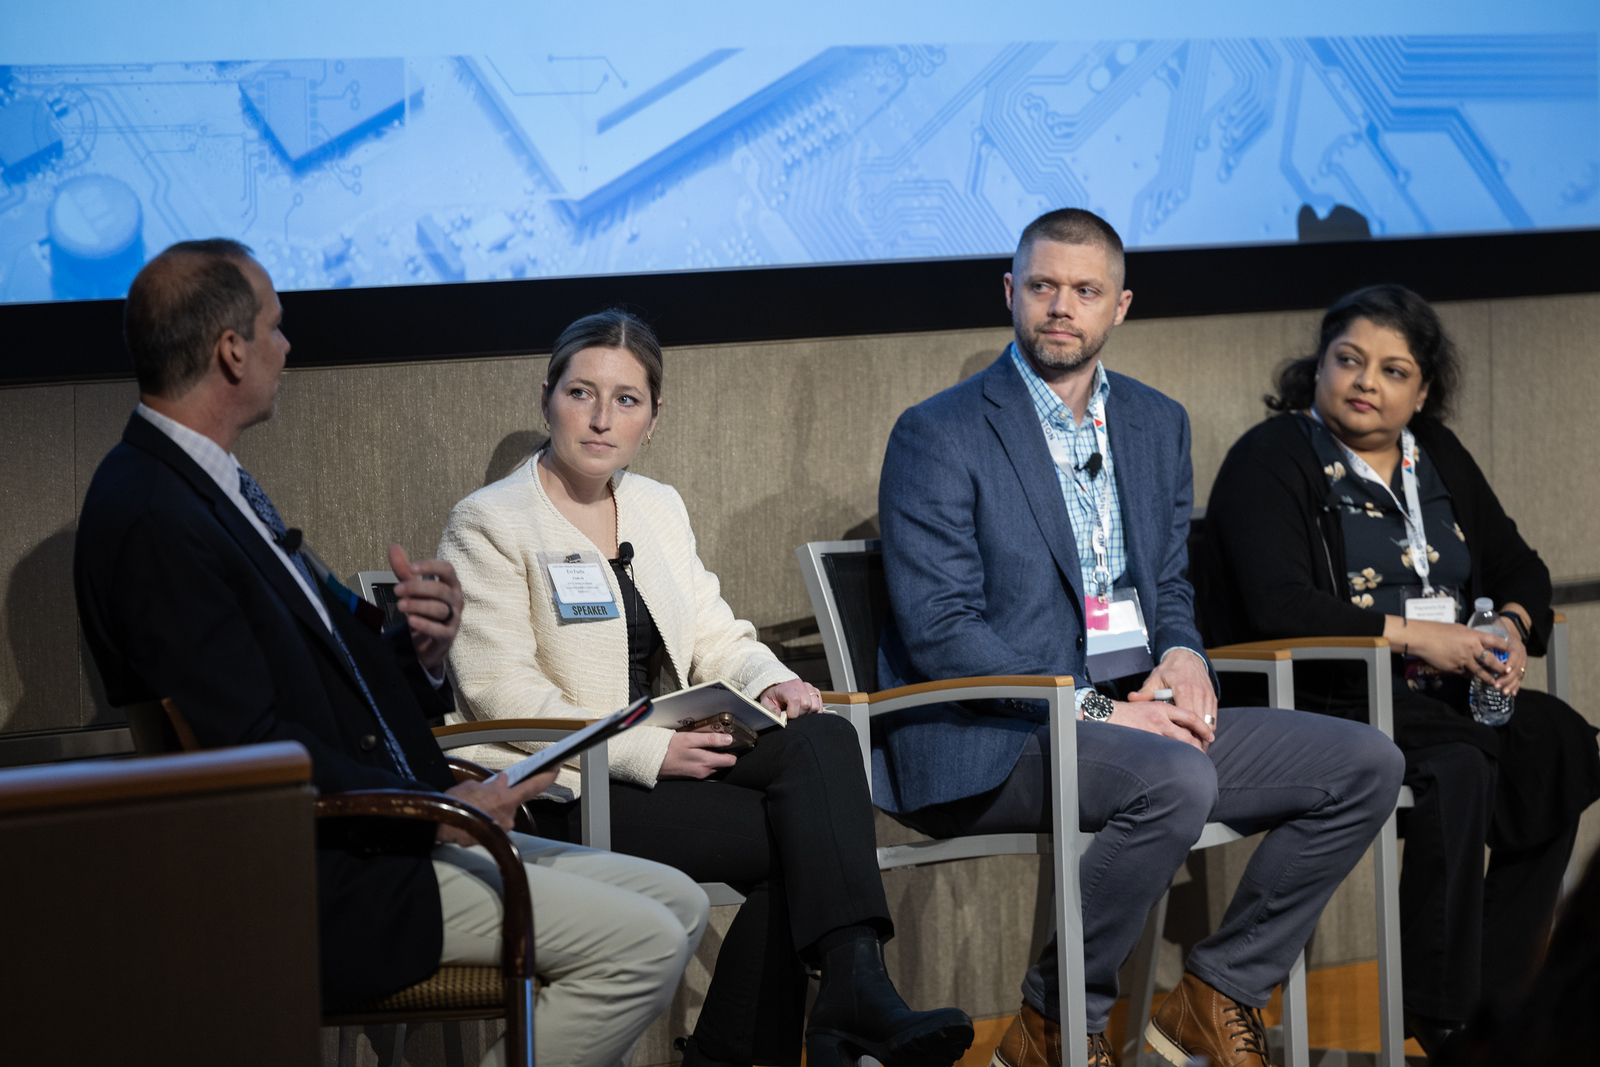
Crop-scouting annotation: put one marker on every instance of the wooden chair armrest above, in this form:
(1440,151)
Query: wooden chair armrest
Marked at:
(516,927)
(478,726)
(467,771)
(1017,686)
(955,685)
(1289,644)
(1560,617)
(829,697)
(1246,653)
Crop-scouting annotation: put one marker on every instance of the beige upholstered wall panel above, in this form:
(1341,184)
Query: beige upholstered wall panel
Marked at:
(770,444)
(776,445)
(1218,368)
(38,625)
(1546,381)
(1475,412)
(362,457)
(100,411)
(1583,623)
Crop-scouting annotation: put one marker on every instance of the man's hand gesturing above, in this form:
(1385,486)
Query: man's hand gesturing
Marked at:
(430,596)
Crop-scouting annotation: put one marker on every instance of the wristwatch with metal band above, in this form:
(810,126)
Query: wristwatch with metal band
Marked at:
(1094,705)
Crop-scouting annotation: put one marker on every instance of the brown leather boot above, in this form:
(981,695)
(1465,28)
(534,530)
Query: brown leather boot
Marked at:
(1030,1041)
(1034,1041)
(1196,1020)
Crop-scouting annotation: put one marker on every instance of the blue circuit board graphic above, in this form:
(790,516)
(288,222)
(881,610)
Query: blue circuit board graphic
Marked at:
(365,172)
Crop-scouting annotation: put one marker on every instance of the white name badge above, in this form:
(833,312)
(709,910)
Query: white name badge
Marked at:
(1431,608)
(1118,644)
(578,581)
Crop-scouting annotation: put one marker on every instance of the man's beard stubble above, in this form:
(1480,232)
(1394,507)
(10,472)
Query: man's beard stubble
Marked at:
(1037,354)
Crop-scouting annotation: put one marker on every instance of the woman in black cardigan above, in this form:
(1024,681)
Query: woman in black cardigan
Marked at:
(1309,533)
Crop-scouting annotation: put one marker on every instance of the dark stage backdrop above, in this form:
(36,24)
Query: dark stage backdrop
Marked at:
(79,341)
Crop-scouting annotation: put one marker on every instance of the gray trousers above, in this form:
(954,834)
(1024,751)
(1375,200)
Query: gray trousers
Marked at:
(1322,786)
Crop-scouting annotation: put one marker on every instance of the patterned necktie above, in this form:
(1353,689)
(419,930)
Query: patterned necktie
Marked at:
(261,504)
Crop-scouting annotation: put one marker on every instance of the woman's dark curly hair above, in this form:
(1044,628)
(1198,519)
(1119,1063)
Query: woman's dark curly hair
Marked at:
(1402,311)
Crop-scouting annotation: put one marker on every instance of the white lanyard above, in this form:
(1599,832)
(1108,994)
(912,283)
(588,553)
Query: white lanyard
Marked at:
(1102,504)
(1412,511)
(1102,513)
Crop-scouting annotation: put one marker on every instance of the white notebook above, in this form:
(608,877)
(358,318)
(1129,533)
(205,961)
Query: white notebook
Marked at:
(674,711)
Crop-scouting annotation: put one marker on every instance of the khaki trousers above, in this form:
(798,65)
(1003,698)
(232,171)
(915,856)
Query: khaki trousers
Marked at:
(612,935)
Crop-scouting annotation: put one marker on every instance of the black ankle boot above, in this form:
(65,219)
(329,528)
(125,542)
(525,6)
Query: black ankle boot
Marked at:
(1434,1035)
(857,1012)
(693,1057)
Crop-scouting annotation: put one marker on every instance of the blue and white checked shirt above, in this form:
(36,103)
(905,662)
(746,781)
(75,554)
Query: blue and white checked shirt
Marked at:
(1076,488)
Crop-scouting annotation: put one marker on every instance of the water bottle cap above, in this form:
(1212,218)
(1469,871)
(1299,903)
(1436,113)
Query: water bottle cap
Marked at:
(1483,603)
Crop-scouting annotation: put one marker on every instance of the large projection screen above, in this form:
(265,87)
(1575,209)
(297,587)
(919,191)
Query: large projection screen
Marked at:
(365,145)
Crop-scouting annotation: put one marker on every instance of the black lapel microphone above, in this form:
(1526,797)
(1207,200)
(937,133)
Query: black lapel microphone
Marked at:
(1092,465)
(625,559)
(290,541)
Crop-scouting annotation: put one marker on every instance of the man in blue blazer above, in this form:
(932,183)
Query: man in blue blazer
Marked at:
(1017,508)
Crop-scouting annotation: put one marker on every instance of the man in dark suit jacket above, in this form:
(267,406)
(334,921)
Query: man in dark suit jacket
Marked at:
(190,587)
(1007,515)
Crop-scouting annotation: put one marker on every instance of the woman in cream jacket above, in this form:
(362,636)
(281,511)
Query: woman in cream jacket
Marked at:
(789,822)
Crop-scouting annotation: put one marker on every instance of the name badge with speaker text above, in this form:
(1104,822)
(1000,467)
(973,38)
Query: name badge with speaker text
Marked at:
(578,581)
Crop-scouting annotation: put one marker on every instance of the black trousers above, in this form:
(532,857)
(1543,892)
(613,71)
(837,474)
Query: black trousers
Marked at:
(1466,935)
(790,826)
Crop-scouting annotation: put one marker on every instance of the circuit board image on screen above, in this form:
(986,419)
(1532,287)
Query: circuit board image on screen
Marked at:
(406,170)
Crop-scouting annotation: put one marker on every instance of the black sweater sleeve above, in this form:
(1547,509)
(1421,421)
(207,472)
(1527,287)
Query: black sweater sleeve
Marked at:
(1506,568)
(1269,547)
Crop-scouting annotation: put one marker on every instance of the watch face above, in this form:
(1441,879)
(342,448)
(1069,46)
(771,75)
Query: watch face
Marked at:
(1097,706)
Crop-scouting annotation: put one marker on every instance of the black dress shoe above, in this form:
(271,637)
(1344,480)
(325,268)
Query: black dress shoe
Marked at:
(1432,1034)
(857,1012)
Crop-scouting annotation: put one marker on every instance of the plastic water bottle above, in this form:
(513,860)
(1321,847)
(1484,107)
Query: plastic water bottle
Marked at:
(1489,706)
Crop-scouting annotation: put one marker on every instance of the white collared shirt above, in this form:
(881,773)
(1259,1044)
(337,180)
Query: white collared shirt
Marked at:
(224,470)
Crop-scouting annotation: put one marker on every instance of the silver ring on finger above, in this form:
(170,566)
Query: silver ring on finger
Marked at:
(1209,720)
(449,613)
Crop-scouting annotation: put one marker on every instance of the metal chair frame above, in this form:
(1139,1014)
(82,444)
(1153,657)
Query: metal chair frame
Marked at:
(367,582)
(1374,654)
(1068,910)
(1275,661)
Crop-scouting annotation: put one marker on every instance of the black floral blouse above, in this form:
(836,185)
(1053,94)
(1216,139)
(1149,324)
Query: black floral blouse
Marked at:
(1377,551)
